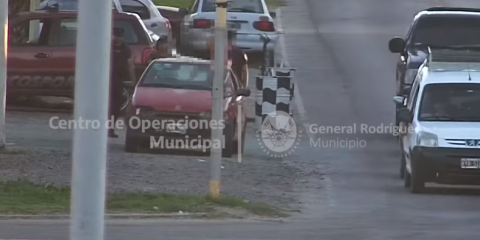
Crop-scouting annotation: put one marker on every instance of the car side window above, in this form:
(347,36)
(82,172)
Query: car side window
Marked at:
(194,7)
(134,6)
(32,32)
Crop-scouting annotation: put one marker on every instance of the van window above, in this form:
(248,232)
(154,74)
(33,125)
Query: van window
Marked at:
(134,6)
(67,32)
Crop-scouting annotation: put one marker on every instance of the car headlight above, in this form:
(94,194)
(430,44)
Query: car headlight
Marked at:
(426,139)
(410,75)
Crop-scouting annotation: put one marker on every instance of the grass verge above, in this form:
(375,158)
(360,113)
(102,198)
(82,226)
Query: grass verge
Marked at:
(272,4)
(24,197)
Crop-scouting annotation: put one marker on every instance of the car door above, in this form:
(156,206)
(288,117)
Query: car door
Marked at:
(29,54)
(408,139)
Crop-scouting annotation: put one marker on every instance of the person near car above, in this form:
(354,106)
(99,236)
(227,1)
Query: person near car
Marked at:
(236,56)
(121,70)
(161,49)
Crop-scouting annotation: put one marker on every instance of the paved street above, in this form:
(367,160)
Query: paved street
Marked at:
(345,76)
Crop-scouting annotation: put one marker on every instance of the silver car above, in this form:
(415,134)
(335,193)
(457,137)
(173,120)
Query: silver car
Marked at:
(250,19)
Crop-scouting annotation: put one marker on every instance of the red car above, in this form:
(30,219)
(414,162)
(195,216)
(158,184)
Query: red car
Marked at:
(41,53)
(173,90)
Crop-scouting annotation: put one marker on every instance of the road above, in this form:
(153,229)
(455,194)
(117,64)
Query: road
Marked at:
(345,76)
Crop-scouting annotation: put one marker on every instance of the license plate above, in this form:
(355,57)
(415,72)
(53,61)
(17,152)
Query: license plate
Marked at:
(176,128)
(233,25)
(470,163)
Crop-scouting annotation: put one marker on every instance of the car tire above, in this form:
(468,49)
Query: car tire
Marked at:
(242,138)
(407,179)
(417,183)
(131,144)
(227,150)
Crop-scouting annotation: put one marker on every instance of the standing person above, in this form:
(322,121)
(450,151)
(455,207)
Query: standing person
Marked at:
(161,49)
(239,59)
(121,70)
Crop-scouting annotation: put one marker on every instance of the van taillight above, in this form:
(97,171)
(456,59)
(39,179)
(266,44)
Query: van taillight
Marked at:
(264,25)
(146,53)
(202,23)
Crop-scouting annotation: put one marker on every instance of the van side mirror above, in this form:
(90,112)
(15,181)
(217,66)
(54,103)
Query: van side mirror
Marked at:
(404,115)
(396,45)
(273,14)
(398,100)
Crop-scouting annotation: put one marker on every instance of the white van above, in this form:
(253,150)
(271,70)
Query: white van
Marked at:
(442,141)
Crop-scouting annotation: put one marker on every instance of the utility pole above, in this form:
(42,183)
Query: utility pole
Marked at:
(92,74)
(3,66)
(218,98)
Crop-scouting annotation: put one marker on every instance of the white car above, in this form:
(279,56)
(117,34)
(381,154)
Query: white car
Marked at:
(250,19)
(145,9)
(442,141)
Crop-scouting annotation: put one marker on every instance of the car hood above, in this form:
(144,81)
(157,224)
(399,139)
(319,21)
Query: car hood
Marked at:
(173,100)
(452,130)
(416,57)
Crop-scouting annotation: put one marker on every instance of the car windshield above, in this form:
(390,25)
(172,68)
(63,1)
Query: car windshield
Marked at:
(249,6)
(179,75)
(449,31)
(451,102)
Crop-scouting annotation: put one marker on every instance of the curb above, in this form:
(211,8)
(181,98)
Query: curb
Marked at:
(107,216)
(43,110)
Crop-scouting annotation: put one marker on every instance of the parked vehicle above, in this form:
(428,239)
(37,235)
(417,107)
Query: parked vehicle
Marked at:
(250,19)
(145,9)
(431,27)
(441,142)
(41,54)
(175,16)
(175,89)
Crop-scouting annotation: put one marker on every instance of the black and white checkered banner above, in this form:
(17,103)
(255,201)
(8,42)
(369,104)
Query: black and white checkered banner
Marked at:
(274,93)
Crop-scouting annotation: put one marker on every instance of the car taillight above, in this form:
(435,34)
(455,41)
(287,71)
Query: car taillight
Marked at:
(167,22)
(264,25)
(202,23)
(145,55)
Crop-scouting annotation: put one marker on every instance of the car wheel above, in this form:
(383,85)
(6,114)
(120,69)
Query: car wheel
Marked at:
(131,144)
(417,183)
(227,151)
(125,98)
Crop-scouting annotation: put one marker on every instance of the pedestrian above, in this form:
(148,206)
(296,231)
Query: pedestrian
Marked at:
(161,49)
(238,59)
(122,69)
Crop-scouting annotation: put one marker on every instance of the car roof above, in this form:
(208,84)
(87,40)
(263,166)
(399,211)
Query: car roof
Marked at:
(438,11)
(447,77)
